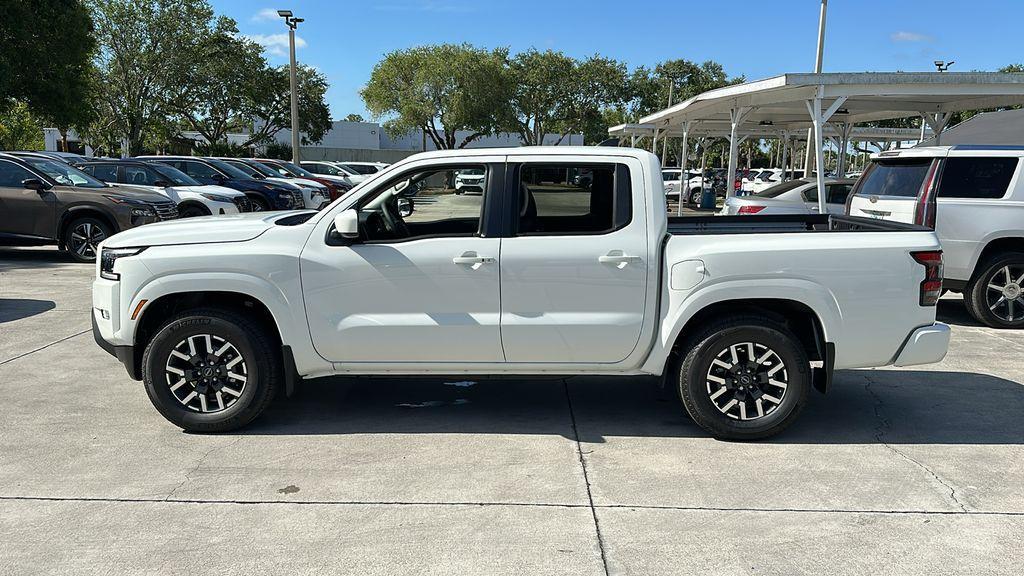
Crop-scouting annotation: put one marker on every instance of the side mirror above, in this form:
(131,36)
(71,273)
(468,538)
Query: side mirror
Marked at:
(347,223)
(35,184)
(405,207)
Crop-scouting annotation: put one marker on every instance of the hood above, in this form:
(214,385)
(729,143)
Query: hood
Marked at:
(335,179)
(201,230)
(210,189)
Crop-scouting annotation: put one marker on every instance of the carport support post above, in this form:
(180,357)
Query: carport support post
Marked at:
(785,153)
(654,142)
(818,119)
(736,117)
(684,187)
(845,129)
(937,122)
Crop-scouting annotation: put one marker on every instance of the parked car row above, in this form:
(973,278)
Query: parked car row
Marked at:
(76,202)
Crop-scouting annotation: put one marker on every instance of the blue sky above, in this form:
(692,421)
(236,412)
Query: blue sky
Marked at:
(345,39)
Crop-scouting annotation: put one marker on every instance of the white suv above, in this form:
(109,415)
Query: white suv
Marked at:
(974,198)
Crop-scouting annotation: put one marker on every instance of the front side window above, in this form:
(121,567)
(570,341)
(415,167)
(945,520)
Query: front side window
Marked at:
(976,177)
(573,198)
(13,176)
(105,172)
(837,193)
(198,170)
(139,176)
(424,203)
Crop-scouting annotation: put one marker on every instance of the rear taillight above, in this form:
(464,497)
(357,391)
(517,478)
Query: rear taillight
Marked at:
(750,209)
(931,287)
(924,211)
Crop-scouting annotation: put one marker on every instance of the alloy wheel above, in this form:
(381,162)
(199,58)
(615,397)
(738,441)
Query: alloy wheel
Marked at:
(1005,293)
(206,373)
(85,239)
(747,381)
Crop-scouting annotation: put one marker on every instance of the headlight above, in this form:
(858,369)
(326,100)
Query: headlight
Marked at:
(216,197)
(143,212)
(110,255)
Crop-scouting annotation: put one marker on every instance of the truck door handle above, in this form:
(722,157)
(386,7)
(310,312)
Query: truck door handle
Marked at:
(617,257)
(471,258)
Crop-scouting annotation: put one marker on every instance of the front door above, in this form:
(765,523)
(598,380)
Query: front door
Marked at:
(421,284)
(575,272)
(25,212)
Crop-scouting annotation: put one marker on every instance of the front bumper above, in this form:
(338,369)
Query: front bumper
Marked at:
(925,345)
(124,354)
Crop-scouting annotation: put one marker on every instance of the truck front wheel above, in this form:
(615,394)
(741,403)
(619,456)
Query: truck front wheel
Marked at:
(744,378)
(211,370)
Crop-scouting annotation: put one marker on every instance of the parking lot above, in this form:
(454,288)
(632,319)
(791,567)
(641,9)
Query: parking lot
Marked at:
(901,471)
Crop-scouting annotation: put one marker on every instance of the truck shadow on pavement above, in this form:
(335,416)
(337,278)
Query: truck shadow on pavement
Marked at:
(953,311)
(34,258)
(864,406)
(12,309)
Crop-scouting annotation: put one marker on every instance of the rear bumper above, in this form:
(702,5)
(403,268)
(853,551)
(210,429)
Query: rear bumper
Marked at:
(925,345)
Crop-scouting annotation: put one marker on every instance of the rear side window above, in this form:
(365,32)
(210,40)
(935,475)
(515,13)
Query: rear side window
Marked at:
(573,198)
(976,177)
(837,193)
(780,189)
(899,178)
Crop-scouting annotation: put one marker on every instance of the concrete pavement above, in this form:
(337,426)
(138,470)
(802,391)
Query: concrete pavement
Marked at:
(902,471)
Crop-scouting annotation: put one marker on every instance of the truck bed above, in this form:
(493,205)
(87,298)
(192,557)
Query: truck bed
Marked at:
(782,223)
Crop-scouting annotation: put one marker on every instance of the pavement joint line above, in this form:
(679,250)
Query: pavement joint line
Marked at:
(354,503)
(22,355)
(884,425)
(586,477)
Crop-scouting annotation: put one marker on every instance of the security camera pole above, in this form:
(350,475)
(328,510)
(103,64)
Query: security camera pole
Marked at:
(293,23)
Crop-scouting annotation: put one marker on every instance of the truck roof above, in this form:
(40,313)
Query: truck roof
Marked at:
(537,151)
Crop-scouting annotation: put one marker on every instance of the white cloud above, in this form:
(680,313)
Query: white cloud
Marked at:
(265,15)
(910,37)
(276,44)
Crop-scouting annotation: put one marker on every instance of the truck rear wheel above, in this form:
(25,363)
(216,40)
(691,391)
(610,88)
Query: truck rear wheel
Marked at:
(744,378)
(211,370)
(996,296)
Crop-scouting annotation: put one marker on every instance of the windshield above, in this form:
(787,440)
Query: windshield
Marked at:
(262,169)
(177,177)
(228,169)
(296,170)
(249,170)
(779,189)
(63,173)
(901,178)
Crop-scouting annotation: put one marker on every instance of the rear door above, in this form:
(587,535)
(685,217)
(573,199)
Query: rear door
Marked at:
(890,188)
(574,267)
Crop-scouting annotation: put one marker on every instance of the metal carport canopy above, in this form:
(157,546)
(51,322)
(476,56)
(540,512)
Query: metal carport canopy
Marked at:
(794,101)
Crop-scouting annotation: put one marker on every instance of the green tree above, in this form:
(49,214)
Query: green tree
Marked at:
(649,88)
(19,129)
(44,60)
(268,104)
(354,118)
(143,44)
(441,89)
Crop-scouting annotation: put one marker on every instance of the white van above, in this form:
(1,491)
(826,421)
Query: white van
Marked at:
(973,196)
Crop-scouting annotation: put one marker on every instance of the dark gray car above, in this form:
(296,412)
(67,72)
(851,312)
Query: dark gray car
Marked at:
(44,201)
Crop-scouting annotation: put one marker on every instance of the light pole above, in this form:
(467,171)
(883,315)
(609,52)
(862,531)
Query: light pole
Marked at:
(293,23)
(809,158)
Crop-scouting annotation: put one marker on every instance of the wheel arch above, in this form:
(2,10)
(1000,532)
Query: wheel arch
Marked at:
(85,211)
(194,204)
(155,314)
(994,247)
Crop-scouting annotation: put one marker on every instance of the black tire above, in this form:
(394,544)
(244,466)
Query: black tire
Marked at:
(719,415)
(994,308)
(695,196)
(83,235)
(260,364)
(192,211)
(259,204)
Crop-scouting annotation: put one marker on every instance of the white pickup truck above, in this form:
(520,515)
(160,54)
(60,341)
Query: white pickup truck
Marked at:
(538,276)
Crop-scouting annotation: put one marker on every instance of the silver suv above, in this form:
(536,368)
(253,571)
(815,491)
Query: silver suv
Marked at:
(973,196)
